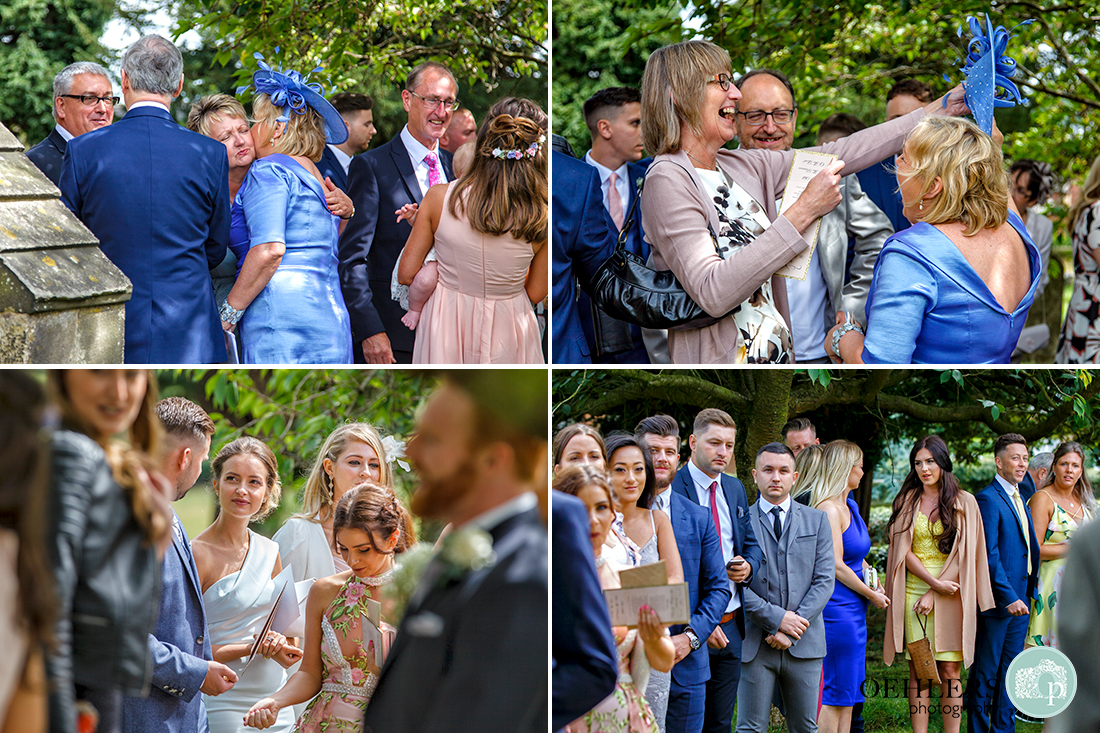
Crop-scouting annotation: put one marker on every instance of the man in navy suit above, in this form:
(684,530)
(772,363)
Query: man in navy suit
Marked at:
(157,197)
(83,101)
(585,661)
(1013,551)
(704,482)
(359,117)
(183,664)
(379,183)
(583,238)
(614,116)
(709,584)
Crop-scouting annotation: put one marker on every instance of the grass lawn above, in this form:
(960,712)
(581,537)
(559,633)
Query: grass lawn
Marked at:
(196,510)
(890,713)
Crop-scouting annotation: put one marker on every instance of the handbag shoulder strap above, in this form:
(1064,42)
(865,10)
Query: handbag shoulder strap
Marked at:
(623,235)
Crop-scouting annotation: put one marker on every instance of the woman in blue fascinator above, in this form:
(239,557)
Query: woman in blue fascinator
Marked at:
(287,296)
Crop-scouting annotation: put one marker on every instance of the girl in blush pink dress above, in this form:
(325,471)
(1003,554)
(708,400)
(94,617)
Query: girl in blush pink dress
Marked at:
(344,650)
(489,230)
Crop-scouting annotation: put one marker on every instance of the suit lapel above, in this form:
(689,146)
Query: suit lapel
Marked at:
(1013,512)
(400,156)
(188,562)
(57,141)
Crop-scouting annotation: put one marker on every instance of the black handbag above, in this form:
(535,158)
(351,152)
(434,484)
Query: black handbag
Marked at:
(627,289)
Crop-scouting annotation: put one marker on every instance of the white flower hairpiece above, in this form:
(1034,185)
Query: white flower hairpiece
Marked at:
(531,151)
(395,451)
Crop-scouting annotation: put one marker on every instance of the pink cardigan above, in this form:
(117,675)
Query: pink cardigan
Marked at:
(675,211)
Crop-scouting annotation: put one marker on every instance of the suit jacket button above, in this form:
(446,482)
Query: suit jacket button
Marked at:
(198,640)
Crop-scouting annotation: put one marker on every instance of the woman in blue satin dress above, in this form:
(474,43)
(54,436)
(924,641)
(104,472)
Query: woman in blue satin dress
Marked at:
(287,295)
(955,287)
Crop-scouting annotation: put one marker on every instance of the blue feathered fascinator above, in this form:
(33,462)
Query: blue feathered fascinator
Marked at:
(988,71)
(294,92)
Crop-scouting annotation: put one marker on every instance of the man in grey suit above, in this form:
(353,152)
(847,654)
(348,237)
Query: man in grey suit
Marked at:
(785,637)
(765,120)
(183,664)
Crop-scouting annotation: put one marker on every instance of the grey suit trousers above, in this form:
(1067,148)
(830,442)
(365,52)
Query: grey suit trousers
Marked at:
(799,681)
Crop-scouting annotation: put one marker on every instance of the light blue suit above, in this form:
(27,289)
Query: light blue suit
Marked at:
(180,649)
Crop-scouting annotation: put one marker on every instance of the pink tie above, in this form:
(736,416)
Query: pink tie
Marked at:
(433,169)
(714,508)
(614,201)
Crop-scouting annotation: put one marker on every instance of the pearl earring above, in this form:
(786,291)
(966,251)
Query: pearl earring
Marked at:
(921,208)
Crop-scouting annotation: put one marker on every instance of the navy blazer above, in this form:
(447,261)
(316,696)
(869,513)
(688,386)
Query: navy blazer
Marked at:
(180,649)
(583,238)
(48,155)
(708,584)
(585,660)
(380,182)
(1027,487)
(471,655)
(882,186)
(744,539)
(157,197)
(1004,543)
(330,167)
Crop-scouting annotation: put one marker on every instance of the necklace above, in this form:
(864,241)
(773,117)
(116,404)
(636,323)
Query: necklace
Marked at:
(713,167)
(375,580)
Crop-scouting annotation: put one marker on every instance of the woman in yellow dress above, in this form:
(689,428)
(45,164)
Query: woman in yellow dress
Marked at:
(937,577)
(1061,506)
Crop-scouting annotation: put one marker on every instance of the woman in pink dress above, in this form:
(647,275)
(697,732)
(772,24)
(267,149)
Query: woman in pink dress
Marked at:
(489,229)
(346,642)
(640,649)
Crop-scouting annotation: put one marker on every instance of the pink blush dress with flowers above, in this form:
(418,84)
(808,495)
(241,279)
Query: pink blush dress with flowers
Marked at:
(347,682)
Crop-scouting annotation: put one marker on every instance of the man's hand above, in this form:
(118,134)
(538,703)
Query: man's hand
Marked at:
(219,678)
(377,350)
(1017,608)
(682,645)
(717,639)
(793,625)
(740,572)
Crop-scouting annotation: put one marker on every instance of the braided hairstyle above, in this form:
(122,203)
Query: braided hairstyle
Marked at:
(373,508)
(507,195)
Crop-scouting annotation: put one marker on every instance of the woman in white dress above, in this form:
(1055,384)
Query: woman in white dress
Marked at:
(235,567)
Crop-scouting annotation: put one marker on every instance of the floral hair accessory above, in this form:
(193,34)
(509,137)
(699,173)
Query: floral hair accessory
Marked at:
(531,151)
(395,451)
(291,91)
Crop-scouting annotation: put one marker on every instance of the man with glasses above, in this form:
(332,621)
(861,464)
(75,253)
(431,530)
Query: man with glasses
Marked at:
(380,182)
(82,101)
(765,120)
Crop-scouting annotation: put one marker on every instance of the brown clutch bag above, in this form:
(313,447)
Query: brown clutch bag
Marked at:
(921,653)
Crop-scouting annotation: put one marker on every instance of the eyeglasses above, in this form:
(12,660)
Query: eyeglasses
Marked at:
(779,116)
(723,80)
(91,100)
(433,102)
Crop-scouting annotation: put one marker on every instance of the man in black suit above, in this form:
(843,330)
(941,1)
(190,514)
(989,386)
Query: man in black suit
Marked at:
(83,100)
(380,182)
(470,654)
(359,117)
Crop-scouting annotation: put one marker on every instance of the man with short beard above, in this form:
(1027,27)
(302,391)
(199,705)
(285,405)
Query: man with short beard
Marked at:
(470,654)
(183,664)
(708,586)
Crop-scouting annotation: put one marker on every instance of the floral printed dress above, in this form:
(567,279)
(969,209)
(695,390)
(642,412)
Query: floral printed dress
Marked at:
(1043,630)
(347,680)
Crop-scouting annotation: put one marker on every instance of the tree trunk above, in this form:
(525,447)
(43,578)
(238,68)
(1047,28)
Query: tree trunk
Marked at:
(770,399)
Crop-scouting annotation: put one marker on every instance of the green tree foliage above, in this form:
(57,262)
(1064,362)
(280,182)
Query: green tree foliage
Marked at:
(38,38)
(870,407)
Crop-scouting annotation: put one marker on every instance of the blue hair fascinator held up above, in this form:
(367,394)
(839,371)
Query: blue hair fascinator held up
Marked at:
(294,92)
(988,71)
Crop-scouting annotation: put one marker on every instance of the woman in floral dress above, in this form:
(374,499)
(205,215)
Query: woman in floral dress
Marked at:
(639,649)
(1059,509)
(346,642)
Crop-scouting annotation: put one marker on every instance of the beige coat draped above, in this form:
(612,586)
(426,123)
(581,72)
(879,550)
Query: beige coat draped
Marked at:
(676,208)
(967,565)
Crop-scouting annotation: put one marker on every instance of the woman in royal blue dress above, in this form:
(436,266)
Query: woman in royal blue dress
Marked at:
(957,285)
(845,615)
(287,295)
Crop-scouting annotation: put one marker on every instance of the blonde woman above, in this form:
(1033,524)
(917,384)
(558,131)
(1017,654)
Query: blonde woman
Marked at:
(351,454)
(1080,341)
(236,567)
(957,285)
(808,465)
(489,230)
(1058,509)
(845,614)
(287,296)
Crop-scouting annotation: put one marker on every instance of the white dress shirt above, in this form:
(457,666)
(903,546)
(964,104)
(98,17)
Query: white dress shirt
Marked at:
(766,508)
(807,300)
(702,491)
(622,184)
(417,154)
(149,103)
(64,133)
(343,158)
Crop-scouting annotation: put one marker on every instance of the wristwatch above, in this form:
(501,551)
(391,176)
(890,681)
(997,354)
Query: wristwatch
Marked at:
(693,638)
